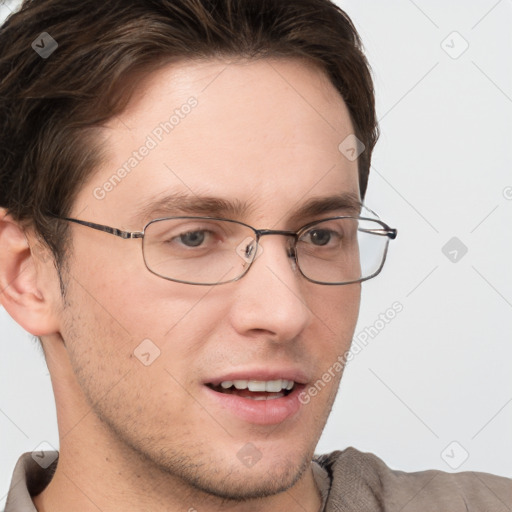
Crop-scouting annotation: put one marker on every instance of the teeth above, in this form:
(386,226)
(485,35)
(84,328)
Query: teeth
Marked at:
(274,386)
(258,385)
(270,386)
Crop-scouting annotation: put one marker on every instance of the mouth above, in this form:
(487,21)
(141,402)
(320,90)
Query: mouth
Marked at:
(255,389)
(255,400)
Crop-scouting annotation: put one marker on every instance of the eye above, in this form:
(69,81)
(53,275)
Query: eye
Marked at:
(193,238)
(320,236)
(328,236)
(179,235)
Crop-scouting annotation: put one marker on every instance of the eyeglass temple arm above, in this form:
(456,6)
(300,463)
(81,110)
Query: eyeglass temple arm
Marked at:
(107,229)
(390,232)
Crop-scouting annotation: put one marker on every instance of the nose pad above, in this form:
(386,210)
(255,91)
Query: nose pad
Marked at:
(292,254)
(247,253)
(246,250)
(249,250)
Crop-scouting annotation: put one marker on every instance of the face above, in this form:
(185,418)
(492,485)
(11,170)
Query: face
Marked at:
(150,354)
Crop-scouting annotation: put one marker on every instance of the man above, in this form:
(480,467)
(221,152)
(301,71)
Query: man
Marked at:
(182,227)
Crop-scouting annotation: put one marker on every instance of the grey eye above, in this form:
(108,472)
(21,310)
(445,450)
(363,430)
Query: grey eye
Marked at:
(193,238)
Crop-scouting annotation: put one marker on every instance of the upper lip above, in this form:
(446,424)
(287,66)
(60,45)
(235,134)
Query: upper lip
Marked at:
(261,374)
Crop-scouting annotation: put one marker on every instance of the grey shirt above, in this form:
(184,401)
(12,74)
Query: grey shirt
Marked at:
(348,480)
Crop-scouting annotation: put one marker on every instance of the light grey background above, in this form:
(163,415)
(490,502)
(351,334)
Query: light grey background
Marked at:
(433,387)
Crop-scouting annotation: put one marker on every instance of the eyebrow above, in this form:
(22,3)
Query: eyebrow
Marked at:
(185,204)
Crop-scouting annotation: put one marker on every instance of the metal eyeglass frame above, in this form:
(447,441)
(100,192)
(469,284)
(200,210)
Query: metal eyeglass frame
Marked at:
(391,233)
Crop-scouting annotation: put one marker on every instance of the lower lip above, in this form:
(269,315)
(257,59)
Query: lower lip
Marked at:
(259,412)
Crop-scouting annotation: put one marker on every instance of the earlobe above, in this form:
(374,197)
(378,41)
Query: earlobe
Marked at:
(21,293)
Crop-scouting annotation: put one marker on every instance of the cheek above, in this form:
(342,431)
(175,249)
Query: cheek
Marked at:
(131,381)
(337,316)
(337,311)
(135,325)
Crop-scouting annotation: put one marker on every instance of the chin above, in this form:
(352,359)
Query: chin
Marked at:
(250,483)
(222,473)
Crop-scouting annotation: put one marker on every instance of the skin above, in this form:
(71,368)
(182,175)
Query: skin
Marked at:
(135,437)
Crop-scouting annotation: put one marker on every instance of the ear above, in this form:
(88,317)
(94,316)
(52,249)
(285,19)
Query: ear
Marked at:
(25,292)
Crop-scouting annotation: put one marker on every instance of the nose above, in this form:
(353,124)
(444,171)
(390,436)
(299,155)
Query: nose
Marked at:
(272,296)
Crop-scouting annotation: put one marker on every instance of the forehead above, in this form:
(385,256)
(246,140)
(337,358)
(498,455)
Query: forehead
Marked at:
(265,132)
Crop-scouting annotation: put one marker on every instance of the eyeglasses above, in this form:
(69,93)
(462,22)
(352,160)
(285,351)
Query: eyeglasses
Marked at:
(211,251)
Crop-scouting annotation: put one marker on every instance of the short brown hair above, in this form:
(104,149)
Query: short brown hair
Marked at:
(49,107)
